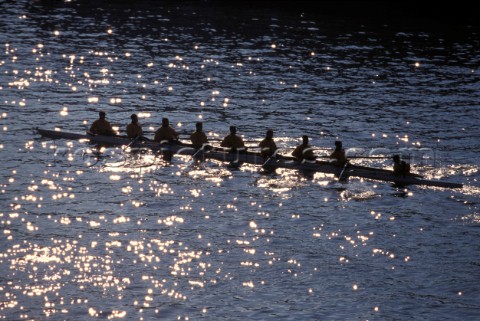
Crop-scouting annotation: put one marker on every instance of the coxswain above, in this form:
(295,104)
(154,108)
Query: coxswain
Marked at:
(134,129)
(267,145)
(400,168)
(304,151)
(338,155)
(101,126)
(198,138)
(165,133)
(232,141)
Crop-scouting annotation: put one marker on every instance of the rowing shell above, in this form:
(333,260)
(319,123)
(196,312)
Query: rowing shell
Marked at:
(328,168)
(177,148)
(256,159)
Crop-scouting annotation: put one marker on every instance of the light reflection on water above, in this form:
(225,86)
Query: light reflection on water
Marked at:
(129,236)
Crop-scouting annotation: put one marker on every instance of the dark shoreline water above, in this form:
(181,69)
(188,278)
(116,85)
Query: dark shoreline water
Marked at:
(397,13)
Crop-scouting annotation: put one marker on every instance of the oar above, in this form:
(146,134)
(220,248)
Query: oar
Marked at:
(201,149)
(343,170)
(131,143)
(267,161)
(364,157)
(229,149)
(273,156)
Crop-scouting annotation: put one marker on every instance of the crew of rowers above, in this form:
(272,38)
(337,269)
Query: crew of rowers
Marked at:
(232,142)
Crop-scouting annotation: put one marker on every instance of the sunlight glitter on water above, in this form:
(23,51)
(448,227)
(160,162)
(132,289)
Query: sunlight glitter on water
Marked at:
(133,237)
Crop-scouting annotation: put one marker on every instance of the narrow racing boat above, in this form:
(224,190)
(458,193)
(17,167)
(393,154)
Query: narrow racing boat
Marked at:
(177,148)
(241,157)
(341,172)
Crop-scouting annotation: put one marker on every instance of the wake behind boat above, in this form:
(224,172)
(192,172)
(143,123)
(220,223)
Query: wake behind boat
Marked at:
(240,157)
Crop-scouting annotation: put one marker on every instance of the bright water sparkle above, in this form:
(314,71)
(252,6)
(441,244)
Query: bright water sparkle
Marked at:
(130,237)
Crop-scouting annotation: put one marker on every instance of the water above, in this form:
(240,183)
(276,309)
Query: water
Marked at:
(133,238)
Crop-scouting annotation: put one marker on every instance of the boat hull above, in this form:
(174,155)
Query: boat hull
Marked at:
(238,158)
(176,148)
(325,167)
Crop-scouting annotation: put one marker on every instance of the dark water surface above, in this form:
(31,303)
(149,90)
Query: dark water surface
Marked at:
(133,238)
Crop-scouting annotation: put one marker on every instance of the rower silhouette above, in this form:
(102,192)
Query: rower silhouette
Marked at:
(233,142)
(101,126)
(304,152)
(198,138)
(165,135)
(400,168)
(267,146)
(134,129)
(338,155)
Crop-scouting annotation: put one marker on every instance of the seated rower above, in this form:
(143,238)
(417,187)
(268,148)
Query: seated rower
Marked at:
(232,141)
(304,151)
(338,155)
(165,133)
(134,129)
(267,145)
(198,138)
(101,126)
(400,168)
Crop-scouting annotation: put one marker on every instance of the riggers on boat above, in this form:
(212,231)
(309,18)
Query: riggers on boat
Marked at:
(240,157)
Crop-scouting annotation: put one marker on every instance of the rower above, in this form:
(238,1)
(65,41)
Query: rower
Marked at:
(400,168)
(101,126)
(267,145)
(165,133)
(134,129)
(338,155)
(232,141)
(304,151)
(198,138)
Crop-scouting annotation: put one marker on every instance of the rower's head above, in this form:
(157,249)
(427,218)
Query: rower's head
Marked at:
(233,130)
(338,144)
(134,118)
(305,139)
(102,115)
(396,159)
(165,122)
(269,134)
(199,126)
